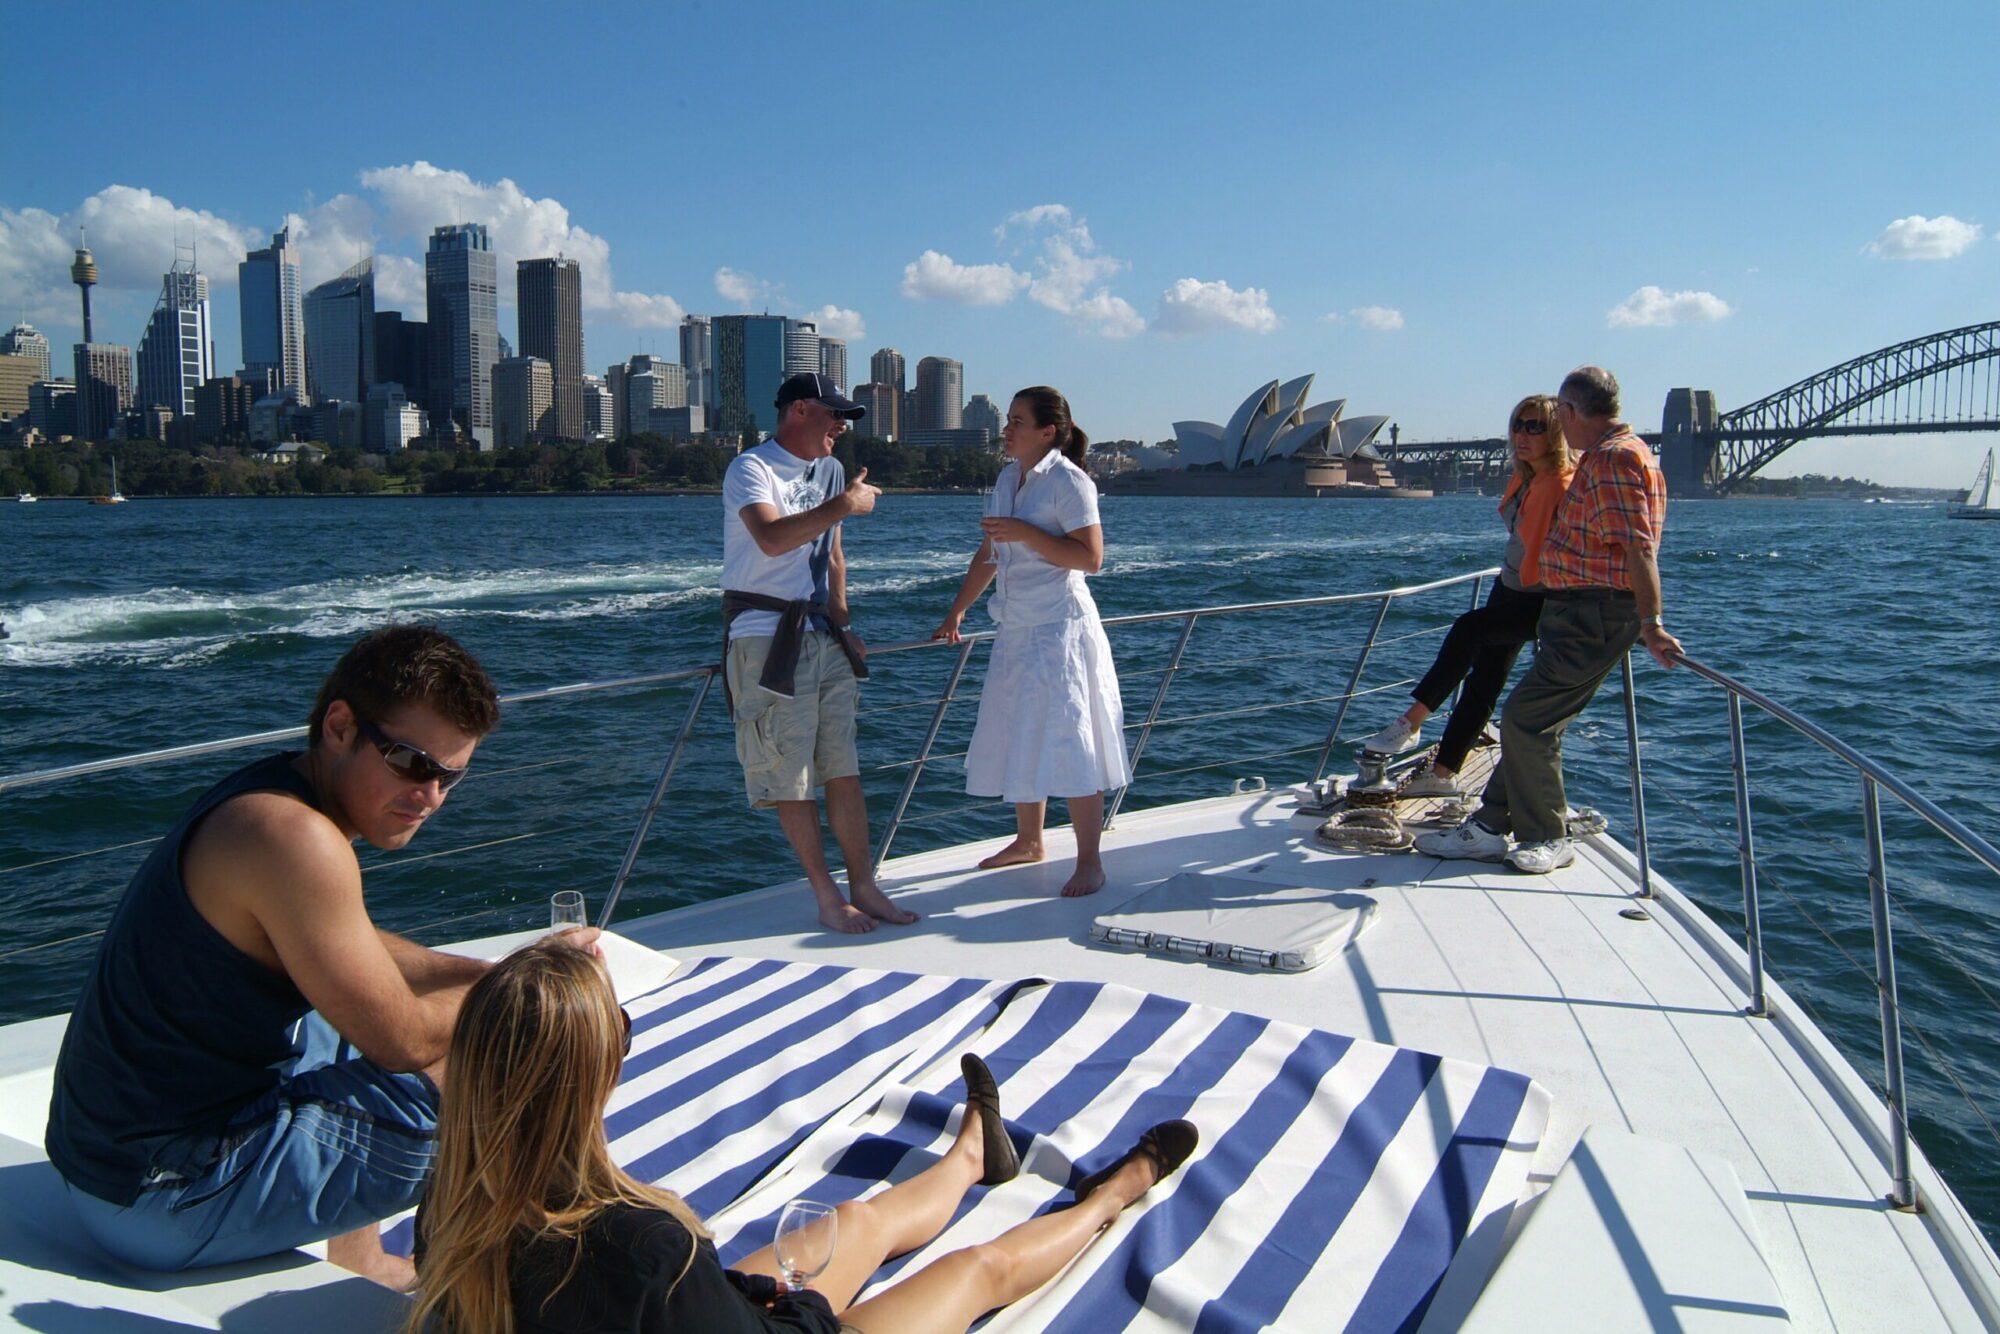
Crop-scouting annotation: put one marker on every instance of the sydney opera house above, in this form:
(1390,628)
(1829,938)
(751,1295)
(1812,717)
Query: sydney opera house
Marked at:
(1274,445)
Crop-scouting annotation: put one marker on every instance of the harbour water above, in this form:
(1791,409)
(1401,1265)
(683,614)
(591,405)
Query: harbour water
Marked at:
(165,622)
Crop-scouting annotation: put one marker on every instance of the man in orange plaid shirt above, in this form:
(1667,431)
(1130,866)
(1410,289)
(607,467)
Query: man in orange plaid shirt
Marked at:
(1601,567)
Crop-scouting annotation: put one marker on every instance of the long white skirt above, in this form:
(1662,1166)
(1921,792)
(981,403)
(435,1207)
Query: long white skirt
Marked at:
(1050,720)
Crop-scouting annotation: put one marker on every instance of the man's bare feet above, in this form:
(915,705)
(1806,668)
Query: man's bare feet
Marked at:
(1084,880)
(837,914)
(871,900)
(1016,853)
(361,1251)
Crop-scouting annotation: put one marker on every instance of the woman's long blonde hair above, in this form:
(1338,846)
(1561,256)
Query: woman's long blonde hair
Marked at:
(1557,458)
(521,1153)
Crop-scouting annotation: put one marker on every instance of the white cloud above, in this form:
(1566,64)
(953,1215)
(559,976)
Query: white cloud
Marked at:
(744,289)
(1108,315)
(417,197)
(934,276)
(1381,318)
(1918,237)
(835,322)
(1331,317)
(1071,273)
(1653,307)
(1191,307)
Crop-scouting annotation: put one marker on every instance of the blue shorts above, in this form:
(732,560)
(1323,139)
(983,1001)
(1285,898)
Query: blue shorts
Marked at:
(339,1144)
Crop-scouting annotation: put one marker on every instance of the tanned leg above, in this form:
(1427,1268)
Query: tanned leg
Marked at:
(907,1215)
(361,1251)
(1086,817)
(951,1293)
(847,812)
(1027,844)
(800,821)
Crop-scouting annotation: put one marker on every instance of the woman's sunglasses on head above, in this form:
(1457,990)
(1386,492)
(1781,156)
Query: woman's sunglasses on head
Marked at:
(408,762)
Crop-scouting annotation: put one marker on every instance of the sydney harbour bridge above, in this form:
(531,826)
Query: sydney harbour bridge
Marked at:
(1942,382)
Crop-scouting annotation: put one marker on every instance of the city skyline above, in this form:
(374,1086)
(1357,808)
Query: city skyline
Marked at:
(1429,237)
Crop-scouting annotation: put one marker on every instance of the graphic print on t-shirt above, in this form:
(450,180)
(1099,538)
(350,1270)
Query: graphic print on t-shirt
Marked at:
(804,492)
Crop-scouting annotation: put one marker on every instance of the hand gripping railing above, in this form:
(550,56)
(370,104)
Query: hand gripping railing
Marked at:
(1874,781)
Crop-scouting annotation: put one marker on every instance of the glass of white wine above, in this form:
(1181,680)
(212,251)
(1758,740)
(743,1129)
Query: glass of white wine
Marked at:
(806,1234)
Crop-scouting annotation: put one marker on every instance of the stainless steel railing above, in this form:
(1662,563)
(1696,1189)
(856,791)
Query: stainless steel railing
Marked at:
(1875,779)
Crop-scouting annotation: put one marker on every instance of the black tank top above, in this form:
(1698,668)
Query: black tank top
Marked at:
(176,1031)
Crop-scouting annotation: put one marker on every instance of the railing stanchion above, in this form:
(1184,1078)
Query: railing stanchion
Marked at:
(659,795)
(923,756)
(1746,853)
(1638,787)
(1353,683)
(1902,1190)
(1159,698)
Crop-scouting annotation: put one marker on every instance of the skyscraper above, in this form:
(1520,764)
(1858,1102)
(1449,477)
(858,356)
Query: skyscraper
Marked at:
(881,402)
(651,383)
(523,401)
(340,335)
(462,299)
(599,419)
(833,361)
(273,313)
(23,341)
(177,353)
(886,368)
(750,364)
(103,388)
(940,395)
(17,376)
(983,414)
(52,408)
(402,356)
(698,359)
(550,293)
(801,348)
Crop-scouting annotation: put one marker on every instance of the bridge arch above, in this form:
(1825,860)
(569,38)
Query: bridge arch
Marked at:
(1756,433)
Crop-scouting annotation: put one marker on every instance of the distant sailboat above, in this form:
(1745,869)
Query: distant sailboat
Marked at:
(1982,501)
(116,497)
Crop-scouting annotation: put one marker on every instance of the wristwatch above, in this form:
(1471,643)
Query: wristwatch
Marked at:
(1656,619)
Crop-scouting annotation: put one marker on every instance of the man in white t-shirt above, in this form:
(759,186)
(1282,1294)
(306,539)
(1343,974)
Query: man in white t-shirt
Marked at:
(793,662)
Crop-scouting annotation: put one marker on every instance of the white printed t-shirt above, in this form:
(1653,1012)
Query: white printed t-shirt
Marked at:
(772,475)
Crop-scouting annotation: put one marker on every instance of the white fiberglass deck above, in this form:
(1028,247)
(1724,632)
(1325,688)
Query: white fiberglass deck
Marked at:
(1630,1024)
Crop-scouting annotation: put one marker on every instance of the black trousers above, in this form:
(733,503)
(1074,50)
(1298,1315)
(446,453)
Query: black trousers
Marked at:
(1479,650)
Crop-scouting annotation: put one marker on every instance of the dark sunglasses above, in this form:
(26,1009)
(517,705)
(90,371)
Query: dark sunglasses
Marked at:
(1530,426)
(408,762)
(626,1015)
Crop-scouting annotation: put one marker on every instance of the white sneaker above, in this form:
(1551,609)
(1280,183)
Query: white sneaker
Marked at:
(1431,783)
(1542,858)
(1471,841)
(1394,739)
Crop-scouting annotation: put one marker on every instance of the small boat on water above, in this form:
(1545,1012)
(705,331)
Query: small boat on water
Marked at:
(116,497)
(26,498)
(1980,501)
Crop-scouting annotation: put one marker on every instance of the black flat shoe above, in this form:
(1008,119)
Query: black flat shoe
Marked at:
(1167,1144)
(1002,1162)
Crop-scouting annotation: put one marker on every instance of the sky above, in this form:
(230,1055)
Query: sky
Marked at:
(1434,208)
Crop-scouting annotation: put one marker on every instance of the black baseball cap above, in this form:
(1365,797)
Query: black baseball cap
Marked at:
(810,385)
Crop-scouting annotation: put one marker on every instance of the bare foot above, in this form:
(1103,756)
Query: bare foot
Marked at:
(1085,880)
(361,1251)
(837,914)
(1016,853)
(871,900)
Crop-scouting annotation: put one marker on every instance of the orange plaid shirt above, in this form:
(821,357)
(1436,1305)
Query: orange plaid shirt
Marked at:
(1618,501)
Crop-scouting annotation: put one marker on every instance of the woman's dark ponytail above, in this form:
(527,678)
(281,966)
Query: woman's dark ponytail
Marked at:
(1050,408)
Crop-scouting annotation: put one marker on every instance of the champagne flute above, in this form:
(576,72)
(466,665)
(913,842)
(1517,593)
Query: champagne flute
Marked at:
(806,1233)
(993,512)
(566,910)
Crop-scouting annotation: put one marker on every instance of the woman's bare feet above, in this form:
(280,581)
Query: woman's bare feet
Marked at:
(870,899)
(1084,880)
(1016,853)
(837,914)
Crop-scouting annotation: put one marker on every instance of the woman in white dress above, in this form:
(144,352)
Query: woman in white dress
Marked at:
(1050,720)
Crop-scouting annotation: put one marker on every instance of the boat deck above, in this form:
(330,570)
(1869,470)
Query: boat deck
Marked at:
(1636,1025)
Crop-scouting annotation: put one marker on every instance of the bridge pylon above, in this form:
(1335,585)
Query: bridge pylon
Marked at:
(1689,448)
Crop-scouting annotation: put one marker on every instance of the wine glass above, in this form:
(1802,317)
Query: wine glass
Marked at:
(805,1241)
(566,909)
(993,512)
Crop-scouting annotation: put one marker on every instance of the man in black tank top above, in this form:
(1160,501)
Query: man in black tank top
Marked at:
(253,1065)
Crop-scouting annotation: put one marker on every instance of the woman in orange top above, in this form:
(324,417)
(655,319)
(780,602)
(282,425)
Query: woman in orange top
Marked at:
(1482,645)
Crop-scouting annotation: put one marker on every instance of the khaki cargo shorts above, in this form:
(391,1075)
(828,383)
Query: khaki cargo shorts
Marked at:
(788,747)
